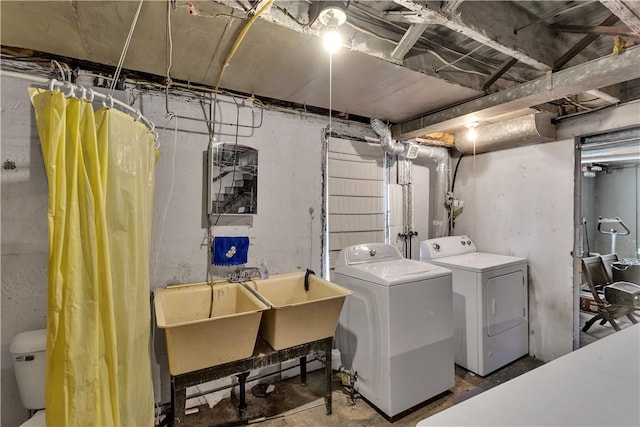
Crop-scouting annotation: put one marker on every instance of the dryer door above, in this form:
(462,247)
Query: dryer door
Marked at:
(505,302)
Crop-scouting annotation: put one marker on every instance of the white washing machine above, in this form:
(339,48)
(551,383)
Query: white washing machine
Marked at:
(396,330)
(490,303)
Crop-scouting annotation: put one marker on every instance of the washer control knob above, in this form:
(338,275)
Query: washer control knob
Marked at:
(469,242)
(463,242)
(372,252)
(436,247)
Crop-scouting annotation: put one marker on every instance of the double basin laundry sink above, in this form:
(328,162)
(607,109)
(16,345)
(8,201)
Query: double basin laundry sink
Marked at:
(212,324)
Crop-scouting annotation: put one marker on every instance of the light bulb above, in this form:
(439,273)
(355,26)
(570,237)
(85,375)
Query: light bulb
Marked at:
(332,40)
(471,133)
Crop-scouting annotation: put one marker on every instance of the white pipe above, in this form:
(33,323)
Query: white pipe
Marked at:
(72,90)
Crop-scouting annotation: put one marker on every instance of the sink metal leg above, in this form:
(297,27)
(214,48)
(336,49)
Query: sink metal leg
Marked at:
(242,380)
(178,403)
(303,370)
(327,379)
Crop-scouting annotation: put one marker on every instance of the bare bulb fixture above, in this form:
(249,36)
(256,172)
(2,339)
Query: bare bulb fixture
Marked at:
(331,18)
(331,40)
(471,132)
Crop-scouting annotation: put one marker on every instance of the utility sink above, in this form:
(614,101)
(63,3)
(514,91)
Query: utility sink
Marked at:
(297,316)
(207,324)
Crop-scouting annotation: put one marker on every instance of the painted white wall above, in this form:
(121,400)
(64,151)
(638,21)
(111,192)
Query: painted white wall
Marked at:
(520,202)
(289,183)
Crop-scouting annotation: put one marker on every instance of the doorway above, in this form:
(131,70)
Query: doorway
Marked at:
(607,212)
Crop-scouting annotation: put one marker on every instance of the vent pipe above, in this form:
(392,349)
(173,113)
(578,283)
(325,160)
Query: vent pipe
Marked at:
(530,129)
(439,189)
(388,144)
(441,156)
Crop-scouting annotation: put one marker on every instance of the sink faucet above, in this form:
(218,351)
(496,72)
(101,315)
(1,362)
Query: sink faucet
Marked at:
(244,273)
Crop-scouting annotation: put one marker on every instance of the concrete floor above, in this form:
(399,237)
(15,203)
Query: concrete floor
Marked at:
(295,405)
(292,404)
(597,331)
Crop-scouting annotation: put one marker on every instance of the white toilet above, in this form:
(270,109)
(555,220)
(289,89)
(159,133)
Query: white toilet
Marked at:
(29,361)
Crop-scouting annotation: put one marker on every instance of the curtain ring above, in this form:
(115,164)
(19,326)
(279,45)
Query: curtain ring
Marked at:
(83,92)
(52,84)
(72,91)
(92,94)
(139,115)
(110,100)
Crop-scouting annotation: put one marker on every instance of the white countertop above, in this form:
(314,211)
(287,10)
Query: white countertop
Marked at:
(598,385)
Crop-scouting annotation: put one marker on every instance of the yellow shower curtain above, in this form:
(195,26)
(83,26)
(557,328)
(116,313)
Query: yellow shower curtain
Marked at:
(100,168)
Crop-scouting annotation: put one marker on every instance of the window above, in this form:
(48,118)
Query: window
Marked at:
(233,179)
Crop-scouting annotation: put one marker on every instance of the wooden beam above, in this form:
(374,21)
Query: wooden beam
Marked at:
(625,13)
(583,43)
(621,30)
(492,27)
(498,73)
(407,41)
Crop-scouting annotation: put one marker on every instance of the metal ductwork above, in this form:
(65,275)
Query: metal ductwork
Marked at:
(388,144)
(440,155)
(530,129)
(440,185)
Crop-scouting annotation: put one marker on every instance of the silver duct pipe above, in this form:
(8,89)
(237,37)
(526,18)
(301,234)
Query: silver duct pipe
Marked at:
(440,155)
(530,129)
(388,144)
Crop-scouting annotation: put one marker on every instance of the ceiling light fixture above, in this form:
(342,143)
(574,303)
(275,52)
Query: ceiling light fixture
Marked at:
(331,17)
(471,133)
(331,40)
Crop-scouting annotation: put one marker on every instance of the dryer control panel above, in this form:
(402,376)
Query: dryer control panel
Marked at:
(445,247)
(371,252)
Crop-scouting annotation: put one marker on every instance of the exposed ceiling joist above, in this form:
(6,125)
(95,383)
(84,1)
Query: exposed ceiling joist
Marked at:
(604,96)
(583,43)
(498,72)
(451,6)
(416,30)
(483,27)
(591,75)
(627,14)
(408,40)
(621,30)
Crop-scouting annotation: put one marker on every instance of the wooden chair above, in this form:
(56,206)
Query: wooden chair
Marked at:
(608,261)
(595,273)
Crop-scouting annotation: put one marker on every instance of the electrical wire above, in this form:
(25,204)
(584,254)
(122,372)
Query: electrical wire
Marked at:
(125,49)
(293,18)
(432,43)
(170,195)
(162,225)
(459,59)
(170,45)
(444,61)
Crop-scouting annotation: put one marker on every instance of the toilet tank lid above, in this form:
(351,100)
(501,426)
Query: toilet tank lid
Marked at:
(29,342)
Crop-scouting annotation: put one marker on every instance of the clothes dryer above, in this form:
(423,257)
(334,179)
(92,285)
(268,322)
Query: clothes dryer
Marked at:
(490,302)
(396,330)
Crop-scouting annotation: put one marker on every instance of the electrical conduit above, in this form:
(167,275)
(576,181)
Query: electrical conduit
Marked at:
(239,39)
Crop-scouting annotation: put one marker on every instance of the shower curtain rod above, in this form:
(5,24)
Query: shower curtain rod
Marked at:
(107,99)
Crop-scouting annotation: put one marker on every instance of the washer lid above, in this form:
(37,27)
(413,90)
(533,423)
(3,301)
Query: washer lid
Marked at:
(391,273)
(478,262)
